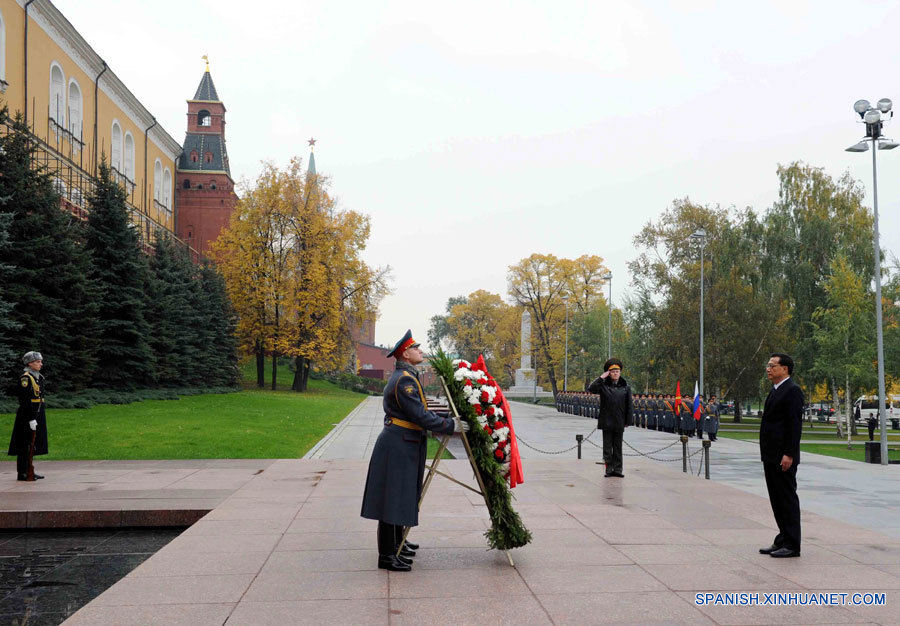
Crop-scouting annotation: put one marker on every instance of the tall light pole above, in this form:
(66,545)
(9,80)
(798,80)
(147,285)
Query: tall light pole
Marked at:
(566,379)
(700,235)
(608,278)
(872,117)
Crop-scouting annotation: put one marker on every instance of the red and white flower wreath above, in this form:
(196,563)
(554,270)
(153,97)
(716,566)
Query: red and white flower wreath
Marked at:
(483,393)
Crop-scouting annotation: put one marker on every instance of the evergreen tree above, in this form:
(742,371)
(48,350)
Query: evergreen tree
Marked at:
(54,301)
(220,318)
(125,359)
(7,324)
(179,332)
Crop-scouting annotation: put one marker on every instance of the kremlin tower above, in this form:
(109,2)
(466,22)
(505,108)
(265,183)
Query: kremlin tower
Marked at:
(204,189)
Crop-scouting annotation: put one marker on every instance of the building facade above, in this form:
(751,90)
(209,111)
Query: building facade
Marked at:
(80,112)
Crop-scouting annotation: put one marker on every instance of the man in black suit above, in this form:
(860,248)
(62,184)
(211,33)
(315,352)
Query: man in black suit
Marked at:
(779,447)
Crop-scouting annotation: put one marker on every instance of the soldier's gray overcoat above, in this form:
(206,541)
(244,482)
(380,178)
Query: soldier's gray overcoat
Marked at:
(397,466)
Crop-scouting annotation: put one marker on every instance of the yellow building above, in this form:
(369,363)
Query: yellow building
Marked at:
(80,111)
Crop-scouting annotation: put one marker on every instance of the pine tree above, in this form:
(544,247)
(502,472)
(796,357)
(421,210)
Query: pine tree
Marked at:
(54,301)
(8,325)
(125,360)
(179,334)
(220,318)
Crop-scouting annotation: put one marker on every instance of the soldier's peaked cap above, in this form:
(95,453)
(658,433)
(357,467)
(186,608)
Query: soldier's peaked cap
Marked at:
(405,342)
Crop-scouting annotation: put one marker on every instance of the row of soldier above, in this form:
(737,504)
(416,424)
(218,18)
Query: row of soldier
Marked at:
(662,412)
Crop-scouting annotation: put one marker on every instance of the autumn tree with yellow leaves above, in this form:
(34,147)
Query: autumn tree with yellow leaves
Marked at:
(539,284)
(292,265)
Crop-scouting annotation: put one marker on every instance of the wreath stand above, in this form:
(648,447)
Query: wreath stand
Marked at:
(434,470)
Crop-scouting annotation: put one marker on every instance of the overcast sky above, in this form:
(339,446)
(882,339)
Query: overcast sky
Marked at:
(477,133)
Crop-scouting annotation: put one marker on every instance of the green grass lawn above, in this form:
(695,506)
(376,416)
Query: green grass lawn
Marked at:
(249,424)
(808,445)
(809,435)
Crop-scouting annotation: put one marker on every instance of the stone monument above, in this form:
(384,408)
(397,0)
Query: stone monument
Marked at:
(525,374)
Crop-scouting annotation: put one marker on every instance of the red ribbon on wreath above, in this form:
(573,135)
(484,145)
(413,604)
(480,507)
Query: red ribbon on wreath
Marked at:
(516,476)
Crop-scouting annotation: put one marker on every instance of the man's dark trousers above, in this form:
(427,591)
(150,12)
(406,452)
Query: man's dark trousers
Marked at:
(612,450)
(782,488)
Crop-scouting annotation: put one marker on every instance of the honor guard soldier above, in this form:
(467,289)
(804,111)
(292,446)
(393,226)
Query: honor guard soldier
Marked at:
(712,418)
(29,435)
(652,415)
(701,418)
(688,423)
(669,414)
(397,467)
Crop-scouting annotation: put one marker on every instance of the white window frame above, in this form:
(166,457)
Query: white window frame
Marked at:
(115,145)
(167,189)
(57,102)
(157,181)
(128,155)
(76,121)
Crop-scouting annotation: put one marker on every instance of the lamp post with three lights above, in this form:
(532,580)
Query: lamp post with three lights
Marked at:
(874,118)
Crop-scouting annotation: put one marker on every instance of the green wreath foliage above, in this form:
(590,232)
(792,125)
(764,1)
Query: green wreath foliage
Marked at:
(507,530)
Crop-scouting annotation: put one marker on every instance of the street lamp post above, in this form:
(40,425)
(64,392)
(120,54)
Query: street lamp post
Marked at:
(700,235)
(872,117)
(566,379)
(608,277)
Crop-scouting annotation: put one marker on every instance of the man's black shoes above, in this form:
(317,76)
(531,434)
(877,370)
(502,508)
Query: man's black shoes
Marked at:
(784,553)
(405,560)
(393,564)
(405,551)
(411,545)
(25,477)
(770,549)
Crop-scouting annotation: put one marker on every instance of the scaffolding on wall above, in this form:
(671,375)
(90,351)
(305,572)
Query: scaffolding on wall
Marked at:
(65,156)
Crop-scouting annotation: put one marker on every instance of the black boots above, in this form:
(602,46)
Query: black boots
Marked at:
(393,564)
(389,537)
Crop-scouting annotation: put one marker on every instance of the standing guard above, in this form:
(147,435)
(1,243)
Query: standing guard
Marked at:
(669,411)
(397,467)
(29,435)
(688,423)
(712,418)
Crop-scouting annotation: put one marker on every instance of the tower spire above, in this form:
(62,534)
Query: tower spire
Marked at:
(205,57)
(311,168)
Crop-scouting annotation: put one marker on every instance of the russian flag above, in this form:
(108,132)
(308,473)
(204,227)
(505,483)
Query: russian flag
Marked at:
(696,410)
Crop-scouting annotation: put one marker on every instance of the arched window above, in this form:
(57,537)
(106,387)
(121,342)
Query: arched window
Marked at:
(208,157)
(194,156)
(57,94)
(115,146)
(157,181)
(204,118)
(2,49)
(75,108)
(129,156)
(167,188)
(186,184)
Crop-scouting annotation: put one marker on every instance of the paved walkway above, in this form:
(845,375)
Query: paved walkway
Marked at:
(857,493)
(287,546)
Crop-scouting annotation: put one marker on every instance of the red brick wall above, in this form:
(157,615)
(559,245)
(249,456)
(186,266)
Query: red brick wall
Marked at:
(203,213)
(372,358)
